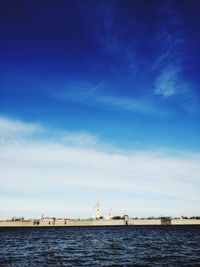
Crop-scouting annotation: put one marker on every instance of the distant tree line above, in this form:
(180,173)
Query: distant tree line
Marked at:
(193,217)
(118,217)
(17,218)
(159,218)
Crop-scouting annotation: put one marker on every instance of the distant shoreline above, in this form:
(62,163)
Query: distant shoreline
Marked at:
(99,223)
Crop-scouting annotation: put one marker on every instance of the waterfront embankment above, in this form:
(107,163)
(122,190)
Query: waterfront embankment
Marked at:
(72,223)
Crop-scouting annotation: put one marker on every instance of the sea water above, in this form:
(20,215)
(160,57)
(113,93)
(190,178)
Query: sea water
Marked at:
(101,246)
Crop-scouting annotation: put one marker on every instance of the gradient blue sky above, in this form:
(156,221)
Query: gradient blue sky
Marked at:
(87,83)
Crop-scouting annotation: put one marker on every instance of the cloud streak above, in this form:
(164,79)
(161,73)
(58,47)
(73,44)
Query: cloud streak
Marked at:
(167,83)
(15,131)
(17,128)
(113,38)
(170,61)
(95,96)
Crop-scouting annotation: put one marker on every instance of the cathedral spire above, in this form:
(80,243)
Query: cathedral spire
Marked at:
(97,211)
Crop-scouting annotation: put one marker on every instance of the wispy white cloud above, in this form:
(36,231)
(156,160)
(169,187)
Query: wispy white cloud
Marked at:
(169,40)
(17,128)
(51,166)
(15,131)
(170,84)
(114,38)
(80,139)
(170,62)
(97,96)
(167,83)
(144,106)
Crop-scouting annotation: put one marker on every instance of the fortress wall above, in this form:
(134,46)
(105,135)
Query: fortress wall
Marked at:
(84,223)
(62,223)
(144,222)
(108,222)
(184,221)
(67,223)
(96,223)
(15,223)
(79,223)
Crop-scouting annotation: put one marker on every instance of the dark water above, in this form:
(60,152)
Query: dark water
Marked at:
(101,246)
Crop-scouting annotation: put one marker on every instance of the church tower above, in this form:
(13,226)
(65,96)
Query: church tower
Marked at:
(97,211)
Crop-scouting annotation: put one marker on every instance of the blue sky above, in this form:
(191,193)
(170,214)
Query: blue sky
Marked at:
(87,83)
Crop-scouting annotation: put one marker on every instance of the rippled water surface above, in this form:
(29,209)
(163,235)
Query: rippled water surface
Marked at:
(101,246)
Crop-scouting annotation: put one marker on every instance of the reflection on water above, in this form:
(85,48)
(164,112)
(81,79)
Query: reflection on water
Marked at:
(101,246)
